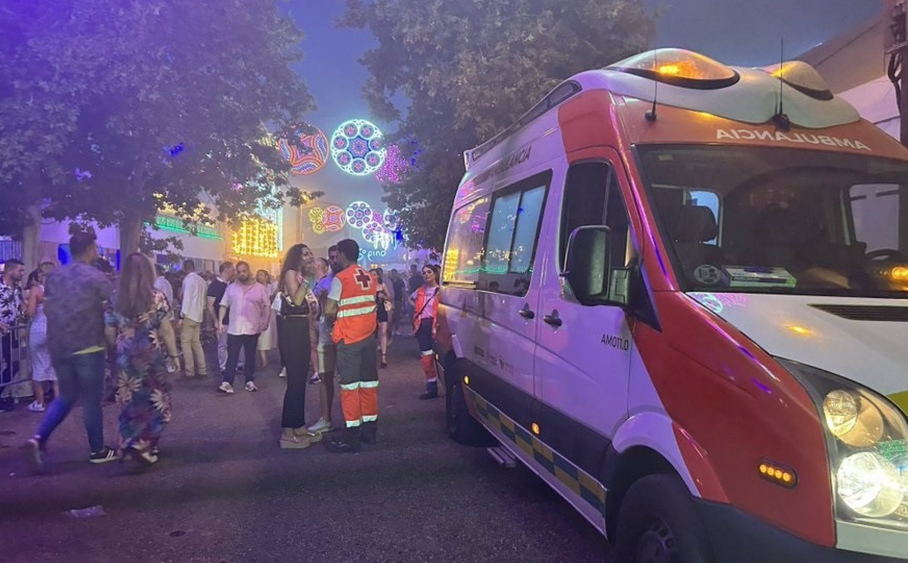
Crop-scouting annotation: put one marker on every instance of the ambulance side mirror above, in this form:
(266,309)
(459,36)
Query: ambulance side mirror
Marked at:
(586,265)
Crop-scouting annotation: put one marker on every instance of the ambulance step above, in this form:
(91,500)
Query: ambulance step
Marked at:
(503,457)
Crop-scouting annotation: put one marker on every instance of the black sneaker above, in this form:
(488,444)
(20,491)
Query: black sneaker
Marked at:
(104,456)
(341,447)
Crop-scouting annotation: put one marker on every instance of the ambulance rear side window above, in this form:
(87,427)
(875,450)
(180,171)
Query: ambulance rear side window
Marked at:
(463,255)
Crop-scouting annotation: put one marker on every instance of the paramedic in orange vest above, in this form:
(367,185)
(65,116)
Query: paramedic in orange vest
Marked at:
(425,321)
(351,306)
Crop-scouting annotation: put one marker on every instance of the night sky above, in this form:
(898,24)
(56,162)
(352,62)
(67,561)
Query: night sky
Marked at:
(732,31)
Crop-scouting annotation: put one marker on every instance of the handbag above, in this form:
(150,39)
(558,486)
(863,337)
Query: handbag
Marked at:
(276,302)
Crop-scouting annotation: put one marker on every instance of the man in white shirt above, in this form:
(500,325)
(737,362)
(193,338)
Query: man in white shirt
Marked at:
(192,313)
(250,314)
(163,285)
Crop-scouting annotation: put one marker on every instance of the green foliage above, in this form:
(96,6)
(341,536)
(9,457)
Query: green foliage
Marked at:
(162,102)
(471,68)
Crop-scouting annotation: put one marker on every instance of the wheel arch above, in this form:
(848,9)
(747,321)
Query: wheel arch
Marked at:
(652,443)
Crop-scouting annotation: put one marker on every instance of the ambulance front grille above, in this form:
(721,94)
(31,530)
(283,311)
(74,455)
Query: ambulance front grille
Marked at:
(866,312)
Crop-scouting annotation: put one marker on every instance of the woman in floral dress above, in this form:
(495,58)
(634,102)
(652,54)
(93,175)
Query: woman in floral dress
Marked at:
(146,350)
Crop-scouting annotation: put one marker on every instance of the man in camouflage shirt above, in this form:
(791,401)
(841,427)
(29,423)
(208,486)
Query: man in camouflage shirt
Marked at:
(10,313)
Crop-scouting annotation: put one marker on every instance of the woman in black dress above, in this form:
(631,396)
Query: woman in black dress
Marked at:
(384,297)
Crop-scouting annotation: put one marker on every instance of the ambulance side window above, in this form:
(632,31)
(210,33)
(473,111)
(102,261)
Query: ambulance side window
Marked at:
(592,196)
(463,255)
(512,235)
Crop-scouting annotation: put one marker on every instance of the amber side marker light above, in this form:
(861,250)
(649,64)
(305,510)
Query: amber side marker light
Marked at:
(778,474)
(535,428)
(466,380)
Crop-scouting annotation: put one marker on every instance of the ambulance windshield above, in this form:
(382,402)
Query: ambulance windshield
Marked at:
(775,220)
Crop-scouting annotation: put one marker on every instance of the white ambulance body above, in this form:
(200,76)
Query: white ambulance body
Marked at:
(691,318)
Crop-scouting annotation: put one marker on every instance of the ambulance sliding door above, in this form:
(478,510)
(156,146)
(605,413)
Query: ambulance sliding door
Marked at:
(509,290)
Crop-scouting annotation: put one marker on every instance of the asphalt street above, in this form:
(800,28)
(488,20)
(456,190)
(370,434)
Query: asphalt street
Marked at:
(225,492)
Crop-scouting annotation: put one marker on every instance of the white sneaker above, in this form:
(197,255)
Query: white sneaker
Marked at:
(35,406)
(226,388)
(283,373)
(320,427)
(250,386)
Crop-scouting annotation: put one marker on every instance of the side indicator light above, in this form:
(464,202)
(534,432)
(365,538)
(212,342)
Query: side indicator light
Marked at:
(899,274)
(466,380)
(778,474)
(535,428)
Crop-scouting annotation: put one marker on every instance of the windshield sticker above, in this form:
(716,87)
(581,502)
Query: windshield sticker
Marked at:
(707,274)
(794,138)
(759,277)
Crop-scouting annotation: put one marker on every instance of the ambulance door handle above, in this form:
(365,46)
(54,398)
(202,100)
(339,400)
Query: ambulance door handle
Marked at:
(527,313)
(553,319)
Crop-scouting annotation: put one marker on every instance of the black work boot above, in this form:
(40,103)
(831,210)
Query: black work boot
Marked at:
(431,391)
(349,444)
(369,433)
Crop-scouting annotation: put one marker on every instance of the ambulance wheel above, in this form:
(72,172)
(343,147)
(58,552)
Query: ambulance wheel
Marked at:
(658,523)
(461,426)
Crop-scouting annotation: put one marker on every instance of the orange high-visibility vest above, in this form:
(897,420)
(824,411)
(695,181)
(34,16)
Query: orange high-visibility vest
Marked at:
(431,307)
(356,317)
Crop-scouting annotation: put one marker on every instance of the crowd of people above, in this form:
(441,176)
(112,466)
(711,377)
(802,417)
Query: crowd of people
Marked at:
(331,320)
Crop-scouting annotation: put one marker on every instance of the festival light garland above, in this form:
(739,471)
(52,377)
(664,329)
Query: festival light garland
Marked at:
(257,236)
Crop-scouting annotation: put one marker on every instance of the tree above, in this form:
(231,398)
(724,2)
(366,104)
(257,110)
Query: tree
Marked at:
(470,69)
(169,100)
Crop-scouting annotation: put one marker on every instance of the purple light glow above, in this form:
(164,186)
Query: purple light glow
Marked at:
(395,168)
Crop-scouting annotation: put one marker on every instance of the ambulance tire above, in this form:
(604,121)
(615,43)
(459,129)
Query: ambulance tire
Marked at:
(658,522)
(461,426)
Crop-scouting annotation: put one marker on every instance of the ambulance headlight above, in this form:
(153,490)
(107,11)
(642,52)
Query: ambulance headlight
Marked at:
(853,418)
(867,445)
(869,484)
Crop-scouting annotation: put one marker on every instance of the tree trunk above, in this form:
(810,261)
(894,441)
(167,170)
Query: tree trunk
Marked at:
(131,227)
(31,238)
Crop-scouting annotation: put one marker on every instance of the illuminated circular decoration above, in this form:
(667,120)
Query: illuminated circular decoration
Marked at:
(315,217)
(391,220)
(309,155)
(333,219)
(359,214)
(357,148)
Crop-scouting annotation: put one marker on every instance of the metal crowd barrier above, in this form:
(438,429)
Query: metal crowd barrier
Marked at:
(15,369)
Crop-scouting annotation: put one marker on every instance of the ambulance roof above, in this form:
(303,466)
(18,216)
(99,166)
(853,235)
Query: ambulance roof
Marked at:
(688,80)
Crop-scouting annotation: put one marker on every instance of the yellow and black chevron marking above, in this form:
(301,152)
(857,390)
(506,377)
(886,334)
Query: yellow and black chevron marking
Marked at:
(573,478)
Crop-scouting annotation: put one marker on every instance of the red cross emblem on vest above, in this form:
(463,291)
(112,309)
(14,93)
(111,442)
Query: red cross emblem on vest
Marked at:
(363,279)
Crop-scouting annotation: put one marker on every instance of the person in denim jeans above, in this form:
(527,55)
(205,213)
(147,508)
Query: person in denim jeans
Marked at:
(74,306)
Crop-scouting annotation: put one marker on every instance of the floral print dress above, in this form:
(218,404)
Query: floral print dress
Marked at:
(143,386)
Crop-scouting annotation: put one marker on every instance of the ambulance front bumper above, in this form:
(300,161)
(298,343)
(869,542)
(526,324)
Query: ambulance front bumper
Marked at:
(738,537)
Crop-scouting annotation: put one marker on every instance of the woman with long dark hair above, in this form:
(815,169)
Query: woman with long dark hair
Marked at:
(425,318)
(298,327)
(138,326)
(384,300)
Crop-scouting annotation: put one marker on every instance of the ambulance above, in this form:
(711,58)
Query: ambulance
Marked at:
(677,291)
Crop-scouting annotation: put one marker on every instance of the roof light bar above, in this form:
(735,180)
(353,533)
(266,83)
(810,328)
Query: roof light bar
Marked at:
(679,67)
